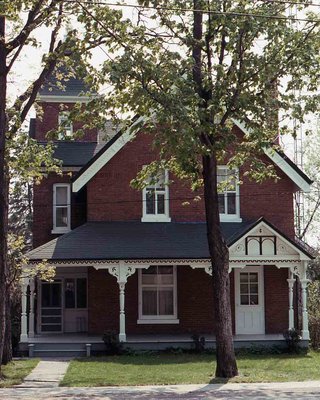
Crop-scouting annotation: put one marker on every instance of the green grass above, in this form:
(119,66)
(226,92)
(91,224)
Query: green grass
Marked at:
(166,369)
(16,371)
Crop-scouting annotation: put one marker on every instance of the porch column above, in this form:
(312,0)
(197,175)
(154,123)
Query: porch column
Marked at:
(24,324)
(305,323)
(291,282)
(31,310)
(122,272)
(122,316)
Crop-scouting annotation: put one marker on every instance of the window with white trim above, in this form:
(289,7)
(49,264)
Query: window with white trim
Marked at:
(158,295)
(61,208)
(229,202)
(155,199)
(65,124)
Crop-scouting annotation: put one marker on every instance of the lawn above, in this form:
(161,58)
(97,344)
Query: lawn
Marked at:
(15,371)
(163,369)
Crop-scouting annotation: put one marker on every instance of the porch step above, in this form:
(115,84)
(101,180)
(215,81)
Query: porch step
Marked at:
(59,349)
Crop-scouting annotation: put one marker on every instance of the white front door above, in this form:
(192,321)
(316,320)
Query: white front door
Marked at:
(249,299)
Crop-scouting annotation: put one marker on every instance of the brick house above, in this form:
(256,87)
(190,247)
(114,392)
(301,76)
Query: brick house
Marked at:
(137,262)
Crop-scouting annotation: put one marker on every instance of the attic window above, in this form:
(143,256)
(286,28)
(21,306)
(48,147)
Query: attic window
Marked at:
(155,199)
(65,125)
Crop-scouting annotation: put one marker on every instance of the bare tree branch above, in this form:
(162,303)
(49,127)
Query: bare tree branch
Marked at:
(35,18)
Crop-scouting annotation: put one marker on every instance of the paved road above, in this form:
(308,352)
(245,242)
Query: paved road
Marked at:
(286,391)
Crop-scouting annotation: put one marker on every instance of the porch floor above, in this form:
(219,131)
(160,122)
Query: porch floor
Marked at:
(181,338)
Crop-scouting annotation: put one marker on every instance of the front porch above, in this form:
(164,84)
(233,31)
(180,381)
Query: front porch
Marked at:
(155,303)
(86,345)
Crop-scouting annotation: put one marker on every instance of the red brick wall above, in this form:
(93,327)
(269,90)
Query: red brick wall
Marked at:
(110,197)
(49,121)
(103,302)
(43,208)
(272,200)
(276,295)
(195,303)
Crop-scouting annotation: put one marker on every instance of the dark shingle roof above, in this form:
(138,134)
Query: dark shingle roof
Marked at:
(72,85)
(75,154)
(135,240)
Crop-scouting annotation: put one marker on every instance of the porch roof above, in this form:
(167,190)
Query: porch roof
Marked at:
(135,240)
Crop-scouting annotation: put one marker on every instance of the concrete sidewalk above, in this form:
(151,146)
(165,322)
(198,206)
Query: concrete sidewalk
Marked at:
(284,390)
(48,374)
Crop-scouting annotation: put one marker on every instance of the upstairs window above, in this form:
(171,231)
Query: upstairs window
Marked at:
(61,208)
(155,199)
(65,124)
(229,203)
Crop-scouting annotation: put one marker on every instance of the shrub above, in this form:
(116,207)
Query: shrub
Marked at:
(292,338)
(112,343)
(199,343)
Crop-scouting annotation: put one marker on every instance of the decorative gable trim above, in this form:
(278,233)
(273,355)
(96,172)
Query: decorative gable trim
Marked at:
(124,136)
(283,162)
(273,236)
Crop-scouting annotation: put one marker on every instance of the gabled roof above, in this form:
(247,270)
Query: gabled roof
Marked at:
(127,134)
(64,85)
(96,241)
(263,222)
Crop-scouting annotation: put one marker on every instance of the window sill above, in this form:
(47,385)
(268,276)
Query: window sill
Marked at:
(60,231)
(158,321)
(155,218)
(230,218)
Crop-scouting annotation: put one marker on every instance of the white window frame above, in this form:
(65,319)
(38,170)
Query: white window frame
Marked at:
(224,217)
(54,211)
(157,217)
(63,116)
(159,319)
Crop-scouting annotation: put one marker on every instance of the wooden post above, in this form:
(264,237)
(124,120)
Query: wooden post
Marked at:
(291,282)
(24,324)
(31,310)
(304,284)
(122,317)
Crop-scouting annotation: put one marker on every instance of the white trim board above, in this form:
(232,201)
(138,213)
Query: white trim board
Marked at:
(130,133)
(279,161)
(101,161)
(51,98)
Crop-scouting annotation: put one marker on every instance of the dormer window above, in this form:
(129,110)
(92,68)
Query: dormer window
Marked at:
(229,202)
(155,199)
(65,125)
(61,208)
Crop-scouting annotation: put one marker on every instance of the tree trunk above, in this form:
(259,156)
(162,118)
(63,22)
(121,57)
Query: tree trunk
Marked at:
(219,253)
(7,348)
(3,187)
